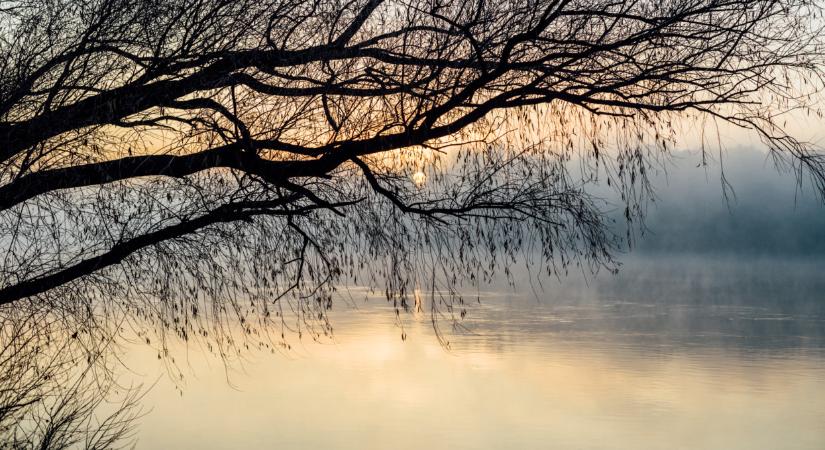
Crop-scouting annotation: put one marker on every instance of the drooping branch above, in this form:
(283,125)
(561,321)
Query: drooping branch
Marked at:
(233,212)
(302,100)
(233,156)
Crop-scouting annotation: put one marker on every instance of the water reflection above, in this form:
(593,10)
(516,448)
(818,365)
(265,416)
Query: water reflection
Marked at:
(711,361)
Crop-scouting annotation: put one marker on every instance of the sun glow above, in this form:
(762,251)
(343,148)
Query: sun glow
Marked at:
(419,178)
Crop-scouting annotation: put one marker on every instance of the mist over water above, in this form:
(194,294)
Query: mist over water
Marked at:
(711,336)
(604,365)
(754,211)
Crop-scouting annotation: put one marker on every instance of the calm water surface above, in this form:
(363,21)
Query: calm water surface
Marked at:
(690,353)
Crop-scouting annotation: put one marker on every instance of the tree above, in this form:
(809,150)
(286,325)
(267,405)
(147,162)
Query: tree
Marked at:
(58,386)
(193,159)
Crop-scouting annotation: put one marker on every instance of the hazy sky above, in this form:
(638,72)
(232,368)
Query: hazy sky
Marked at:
(767,214)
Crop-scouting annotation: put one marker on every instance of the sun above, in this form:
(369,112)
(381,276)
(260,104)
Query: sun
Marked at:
(419,178)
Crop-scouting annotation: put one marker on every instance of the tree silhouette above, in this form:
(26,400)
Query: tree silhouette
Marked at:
(193,160)
(58,387)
